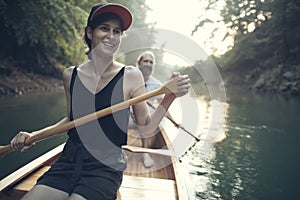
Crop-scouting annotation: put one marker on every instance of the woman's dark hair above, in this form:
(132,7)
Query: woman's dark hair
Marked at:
(96,22)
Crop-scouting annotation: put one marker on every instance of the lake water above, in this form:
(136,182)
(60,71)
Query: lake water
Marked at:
(29,113)
(258,159)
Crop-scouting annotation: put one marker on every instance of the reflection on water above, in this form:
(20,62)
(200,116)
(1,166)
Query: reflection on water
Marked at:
(258,159)
(206,119)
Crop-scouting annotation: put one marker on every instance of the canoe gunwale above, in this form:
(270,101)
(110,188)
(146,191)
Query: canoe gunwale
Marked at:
(27,169)
(182,191)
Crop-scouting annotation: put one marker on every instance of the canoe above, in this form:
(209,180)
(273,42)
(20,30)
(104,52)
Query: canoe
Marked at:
(161,181)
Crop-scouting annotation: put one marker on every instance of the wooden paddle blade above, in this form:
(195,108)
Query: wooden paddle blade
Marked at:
(164,152)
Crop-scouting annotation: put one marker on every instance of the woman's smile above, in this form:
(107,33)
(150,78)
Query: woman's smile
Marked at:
(108,44)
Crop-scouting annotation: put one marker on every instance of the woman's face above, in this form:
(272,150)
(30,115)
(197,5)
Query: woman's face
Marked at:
(106,37)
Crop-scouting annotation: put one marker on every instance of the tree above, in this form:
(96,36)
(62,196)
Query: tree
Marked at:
(41,35)
(239,16)
(266,42)
(44,36)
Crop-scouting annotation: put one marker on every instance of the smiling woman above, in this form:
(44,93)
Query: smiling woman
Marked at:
(93,152)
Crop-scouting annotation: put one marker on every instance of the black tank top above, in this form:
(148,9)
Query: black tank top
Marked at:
(108,130)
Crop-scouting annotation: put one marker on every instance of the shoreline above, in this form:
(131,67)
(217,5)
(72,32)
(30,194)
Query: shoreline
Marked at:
(14,82)
(19,83)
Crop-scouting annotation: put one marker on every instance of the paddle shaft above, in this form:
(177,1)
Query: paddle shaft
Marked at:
(169,87)
(175,123)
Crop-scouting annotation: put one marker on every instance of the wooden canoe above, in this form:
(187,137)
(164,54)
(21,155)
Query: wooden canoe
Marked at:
(161,181)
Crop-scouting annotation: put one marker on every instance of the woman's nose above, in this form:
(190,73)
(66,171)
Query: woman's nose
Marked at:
(110,33)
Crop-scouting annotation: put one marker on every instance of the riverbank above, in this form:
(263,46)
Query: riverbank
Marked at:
(15,81)
(280,80)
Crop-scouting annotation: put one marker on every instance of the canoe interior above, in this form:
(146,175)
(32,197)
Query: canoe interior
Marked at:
(162,168)
(157,182)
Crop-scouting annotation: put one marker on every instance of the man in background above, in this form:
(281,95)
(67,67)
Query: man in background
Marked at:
(145,62)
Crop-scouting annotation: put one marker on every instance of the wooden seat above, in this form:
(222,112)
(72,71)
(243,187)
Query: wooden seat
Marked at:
(137,188)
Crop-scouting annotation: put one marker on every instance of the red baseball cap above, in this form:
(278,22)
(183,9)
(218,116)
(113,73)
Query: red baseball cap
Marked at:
(117,9)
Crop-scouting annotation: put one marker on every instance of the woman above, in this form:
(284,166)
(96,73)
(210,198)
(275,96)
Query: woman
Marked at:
(92,163)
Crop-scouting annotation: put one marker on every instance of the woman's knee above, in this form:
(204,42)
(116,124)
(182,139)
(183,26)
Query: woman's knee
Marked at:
(44,192)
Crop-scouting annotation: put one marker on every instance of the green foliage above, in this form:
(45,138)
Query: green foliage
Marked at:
(43,36)
(42,32)
(239,16)
(275,41)
(269,49)
(84,4)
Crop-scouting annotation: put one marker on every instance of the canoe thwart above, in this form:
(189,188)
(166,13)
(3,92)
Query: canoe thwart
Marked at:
(164,152)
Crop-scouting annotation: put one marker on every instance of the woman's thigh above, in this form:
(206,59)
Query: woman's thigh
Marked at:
(75,196)
(44,192)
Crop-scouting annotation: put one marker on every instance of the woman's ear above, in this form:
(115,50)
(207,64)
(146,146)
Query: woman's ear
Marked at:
(89,32)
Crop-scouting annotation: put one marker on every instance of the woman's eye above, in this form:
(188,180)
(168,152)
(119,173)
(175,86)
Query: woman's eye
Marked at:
(117,31)
(104,28)
(108,29)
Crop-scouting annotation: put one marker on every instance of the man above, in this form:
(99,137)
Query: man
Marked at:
(145,62)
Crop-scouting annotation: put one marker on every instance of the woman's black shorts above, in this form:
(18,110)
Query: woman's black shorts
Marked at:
(77,171)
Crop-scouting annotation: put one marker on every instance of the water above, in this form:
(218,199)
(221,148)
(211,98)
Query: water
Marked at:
(258,159)
(29,113)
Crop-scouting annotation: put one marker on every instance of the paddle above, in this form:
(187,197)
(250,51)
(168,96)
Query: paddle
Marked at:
(169,87)
(175,123)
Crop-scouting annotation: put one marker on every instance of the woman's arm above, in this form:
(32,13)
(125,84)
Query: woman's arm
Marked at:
(148,123)
(18,142)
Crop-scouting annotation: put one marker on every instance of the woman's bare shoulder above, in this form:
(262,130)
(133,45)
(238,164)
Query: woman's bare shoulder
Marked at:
(132,71)
(67,74)
(134,81)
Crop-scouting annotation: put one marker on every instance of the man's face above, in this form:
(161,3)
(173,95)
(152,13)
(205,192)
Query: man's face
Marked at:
(147,60)
(146,66)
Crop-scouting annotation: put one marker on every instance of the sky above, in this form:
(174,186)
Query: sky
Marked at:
(175,15)
(182,17)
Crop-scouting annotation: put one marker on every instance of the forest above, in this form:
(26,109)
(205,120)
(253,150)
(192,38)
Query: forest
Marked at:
(40,38)
(265,56)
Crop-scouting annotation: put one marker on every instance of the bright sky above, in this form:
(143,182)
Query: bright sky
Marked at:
(182,16)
